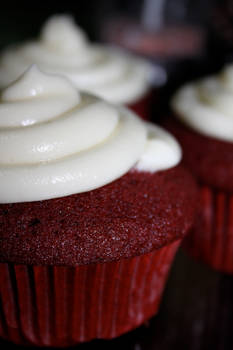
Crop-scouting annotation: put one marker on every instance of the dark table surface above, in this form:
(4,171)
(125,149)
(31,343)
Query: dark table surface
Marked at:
(196,314)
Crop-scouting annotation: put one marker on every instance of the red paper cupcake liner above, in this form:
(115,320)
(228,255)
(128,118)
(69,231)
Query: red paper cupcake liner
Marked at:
(143,106)
(211,239)
(62,306)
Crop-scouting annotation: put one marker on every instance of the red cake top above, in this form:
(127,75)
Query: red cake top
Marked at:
(133,215)
(210,159)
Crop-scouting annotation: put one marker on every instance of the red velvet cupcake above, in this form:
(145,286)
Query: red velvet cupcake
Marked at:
(93,208)
(101,70)
(204,128)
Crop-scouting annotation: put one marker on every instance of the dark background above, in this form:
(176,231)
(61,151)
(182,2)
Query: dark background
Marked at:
(22,19)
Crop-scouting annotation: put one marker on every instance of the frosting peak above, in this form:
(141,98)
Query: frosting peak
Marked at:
(60,33)
(36,97)
(34,83)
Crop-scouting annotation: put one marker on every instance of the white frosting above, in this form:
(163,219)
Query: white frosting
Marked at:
(64,49)
(161,151)
(207,105)
(55,141)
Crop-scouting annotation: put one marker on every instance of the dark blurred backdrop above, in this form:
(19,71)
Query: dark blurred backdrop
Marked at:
(21,19)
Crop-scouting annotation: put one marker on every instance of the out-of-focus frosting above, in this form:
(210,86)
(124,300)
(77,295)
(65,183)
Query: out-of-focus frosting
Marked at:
(64,49)
(207,105)
(55,141)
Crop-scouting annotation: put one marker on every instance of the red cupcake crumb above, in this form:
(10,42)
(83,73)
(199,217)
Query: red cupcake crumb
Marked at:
(133,215)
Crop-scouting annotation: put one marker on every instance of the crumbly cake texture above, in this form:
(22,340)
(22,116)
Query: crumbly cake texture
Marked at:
(208,158)
(131,216)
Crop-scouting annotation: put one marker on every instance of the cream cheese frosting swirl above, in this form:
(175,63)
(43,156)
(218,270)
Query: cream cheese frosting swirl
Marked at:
(55,141)
(64,49)
(207,105)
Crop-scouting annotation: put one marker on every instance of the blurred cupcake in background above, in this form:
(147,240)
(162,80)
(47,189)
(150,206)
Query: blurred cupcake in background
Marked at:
(203,124)
(63,48)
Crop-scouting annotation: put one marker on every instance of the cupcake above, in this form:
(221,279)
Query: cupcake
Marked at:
(204,127)
(63,48)
(94,205)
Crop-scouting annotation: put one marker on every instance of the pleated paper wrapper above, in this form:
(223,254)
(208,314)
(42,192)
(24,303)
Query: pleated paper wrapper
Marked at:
(62,306)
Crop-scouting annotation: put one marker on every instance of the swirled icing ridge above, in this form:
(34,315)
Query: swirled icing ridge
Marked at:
(79,144)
